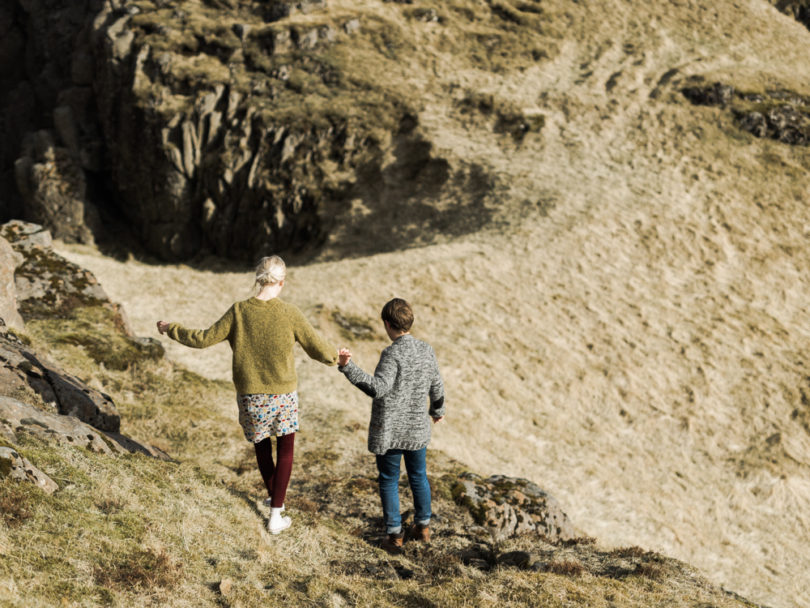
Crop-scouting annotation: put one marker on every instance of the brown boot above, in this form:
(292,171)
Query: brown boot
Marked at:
(419,532)
(393,544)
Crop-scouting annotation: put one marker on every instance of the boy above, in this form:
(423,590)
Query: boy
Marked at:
(406,377)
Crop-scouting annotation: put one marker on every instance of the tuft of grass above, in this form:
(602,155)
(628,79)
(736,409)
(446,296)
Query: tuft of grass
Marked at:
(652,571)
(141,568)
(633,551)
(15,502)
(565,567)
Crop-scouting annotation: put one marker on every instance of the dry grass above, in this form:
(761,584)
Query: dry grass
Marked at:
(629,331)
(141,568)
(15,502)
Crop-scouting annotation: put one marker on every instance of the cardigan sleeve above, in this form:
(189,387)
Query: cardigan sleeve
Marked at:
(436,392)
(202,338)
(380,383)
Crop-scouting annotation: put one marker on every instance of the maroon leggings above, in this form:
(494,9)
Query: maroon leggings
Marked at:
(276,477)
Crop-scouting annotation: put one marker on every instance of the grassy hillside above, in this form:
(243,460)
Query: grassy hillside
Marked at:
(620,314)
(137,531)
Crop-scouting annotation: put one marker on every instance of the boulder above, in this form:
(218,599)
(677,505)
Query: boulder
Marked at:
(67,394)
(14,466)
(9,261)
(47,283)
(87,404)
(26,235)
(18,418)
(509,506)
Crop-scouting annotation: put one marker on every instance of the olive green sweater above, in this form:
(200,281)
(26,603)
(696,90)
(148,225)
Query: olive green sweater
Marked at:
(262,335)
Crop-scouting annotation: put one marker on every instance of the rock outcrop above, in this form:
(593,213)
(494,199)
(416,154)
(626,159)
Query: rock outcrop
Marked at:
(46,283)
(9,261)
(63,392)
(54,188)
(14,466)
(798,9)
(18,418)
(225,127)
(50,286)
(779,115)
(509,506)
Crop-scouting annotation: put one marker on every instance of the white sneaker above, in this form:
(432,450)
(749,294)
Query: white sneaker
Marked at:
(279,525)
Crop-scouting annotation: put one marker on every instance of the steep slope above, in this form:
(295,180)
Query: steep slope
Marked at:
(107,521)
(629,329)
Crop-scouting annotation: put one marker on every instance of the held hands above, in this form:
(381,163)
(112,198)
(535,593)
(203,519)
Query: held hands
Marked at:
(344,355)
(163,326)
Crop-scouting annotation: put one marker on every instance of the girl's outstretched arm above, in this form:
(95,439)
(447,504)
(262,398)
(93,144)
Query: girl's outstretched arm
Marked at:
(199,338)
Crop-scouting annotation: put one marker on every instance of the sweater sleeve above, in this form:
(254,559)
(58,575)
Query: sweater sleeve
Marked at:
(377,385)
(436,393)
(202,338)
(311,341)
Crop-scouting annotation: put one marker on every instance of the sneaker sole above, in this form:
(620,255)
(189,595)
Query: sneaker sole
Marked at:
(279,530)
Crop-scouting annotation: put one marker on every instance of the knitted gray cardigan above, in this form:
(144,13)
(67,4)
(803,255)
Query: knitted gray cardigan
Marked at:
(406,377)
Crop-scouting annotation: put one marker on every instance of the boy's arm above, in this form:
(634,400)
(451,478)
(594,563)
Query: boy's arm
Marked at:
(377,385)
(202,338)
(436,393)
(313,344)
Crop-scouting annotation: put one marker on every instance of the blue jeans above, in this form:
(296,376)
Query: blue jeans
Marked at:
(388,466)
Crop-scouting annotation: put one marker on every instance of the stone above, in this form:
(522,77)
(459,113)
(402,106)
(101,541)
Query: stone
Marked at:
(509,506)
(18,418)
(25,235)
(14,466)
(716,94)
(352,26)
(755,123)
(70,395)
(47,283)
(87,404)
(130,445)
(10,260)
(225,587)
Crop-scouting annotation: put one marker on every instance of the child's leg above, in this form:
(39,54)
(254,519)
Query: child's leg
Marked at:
(285,446)
(264,458)
(416,466)
(388,467)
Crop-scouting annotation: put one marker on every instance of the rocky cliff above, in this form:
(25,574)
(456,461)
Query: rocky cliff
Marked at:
(232,127)
(240,128)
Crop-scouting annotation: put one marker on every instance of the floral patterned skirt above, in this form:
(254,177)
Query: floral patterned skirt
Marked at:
(263,416)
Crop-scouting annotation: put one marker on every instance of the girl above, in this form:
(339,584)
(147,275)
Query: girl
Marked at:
(262,332)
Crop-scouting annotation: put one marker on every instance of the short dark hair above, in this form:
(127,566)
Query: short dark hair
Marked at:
(398,314)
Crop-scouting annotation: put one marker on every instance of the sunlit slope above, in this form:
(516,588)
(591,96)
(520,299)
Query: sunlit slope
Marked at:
(629,328)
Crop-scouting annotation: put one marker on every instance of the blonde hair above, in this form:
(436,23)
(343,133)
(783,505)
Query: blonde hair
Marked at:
(269,271)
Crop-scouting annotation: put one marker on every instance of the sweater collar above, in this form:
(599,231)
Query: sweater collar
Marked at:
(263,303)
